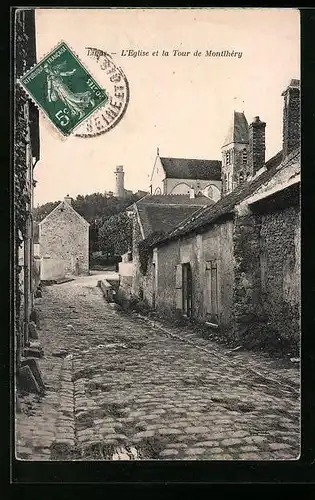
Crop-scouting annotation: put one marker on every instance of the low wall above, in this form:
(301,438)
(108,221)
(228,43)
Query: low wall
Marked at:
(36,272)
(125,269)
(51,269)
(107,290)
(36,250)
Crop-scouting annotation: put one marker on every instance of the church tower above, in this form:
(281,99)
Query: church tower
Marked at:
(235,166)
(120,188)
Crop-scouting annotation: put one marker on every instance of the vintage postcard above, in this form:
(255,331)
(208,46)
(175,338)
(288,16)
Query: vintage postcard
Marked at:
(157,234)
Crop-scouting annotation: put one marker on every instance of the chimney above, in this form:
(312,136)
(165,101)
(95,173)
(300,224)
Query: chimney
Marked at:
(192,193)
(256,157)
(68,199)
(291,118)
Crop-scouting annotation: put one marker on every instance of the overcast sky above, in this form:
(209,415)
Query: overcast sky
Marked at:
(182,105)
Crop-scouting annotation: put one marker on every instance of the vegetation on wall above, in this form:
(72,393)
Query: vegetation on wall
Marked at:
(145,250)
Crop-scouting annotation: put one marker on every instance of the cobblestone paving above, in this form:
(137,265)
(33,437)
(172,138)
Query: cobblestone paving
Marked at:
(120,389)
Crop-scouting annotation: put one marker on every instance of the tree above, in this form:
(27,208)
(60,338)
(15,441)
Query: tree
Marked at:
(115,234)
(97,208)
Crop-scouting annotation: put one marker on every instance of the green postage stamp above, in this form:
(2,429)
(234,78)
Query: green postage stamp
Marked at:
(63,89)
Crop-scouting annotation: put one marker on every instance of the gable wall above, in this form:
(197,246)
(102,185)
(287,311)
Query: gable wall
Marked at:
(158,175)
(63,236)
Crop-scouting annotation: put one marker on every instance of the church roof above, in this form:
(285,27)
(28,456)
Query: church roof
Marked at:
(183,168)
(238,130)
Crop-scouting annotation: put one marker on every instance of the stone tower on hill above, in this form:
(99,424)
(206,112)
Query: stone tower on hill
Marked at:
(120,188)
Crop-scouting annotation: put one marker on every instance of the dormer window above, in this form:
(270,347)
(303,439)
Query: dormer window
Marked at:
(244,157)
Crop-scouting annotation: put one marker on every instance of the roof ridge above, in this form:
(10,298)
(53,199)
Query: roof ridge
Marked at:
(187,159)
(63,202)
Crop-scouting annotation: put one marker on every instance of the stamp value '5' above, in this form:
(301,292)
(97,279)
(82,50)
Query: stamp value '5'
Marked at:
(63,89)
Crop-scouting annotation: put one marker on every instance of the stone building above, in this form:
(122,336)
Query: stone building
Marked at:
(180,175)
(235,265)
(64,241)
(153,216)
(27,152)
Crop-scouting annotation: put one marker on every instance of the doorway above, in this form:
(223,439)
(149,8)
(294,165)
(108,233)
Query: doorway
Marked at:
(187,290)
(211,289)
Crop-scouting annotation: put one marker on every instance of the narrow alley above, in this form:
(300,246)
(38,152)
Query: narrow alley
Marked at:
(118,388)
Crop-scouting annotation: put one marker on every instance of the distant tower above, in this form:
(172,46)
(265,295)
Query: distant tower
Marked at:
(235,153)
(120,189)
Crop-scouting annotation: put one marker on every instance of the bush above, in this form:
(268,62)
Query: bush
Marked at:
(98,259)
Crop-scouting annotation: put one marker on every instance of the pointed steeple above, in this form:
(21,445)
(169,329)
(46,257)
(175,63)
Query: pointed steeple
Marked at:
(238,130)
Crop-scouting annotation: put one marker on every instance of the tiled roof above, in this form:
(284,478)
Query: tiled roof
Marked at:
(183,168)
(238,130)
(163,218)
(274,160)
(226,205)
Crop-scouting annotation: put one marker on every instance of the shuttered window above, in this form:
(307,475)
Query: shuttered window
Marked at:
(178,287)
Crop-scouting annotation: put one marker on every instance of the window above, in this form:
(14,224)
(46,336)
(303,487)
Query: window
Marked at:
(241,177)
(228,157)
(244,157)
(210,192)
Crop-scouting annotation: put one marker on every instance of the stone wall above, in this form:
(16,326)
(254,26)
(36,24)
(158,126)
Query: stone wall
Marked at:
(267,276)
(218,246)
(214,245)
(280,262)
(63,236)
(51,269)
(247,276)
(141,282)
(167,259)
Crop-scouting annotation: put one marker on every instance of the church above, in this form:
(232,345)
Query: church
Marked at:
(214,178)
(181,176)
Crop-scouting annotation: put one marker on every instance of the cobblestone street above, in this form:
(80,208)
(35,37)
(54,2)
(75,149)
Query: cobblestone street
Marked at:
(120,388)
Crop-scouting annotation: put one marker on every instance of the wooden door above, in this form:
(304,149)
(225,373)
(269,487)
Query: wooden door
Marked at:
(187,290)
